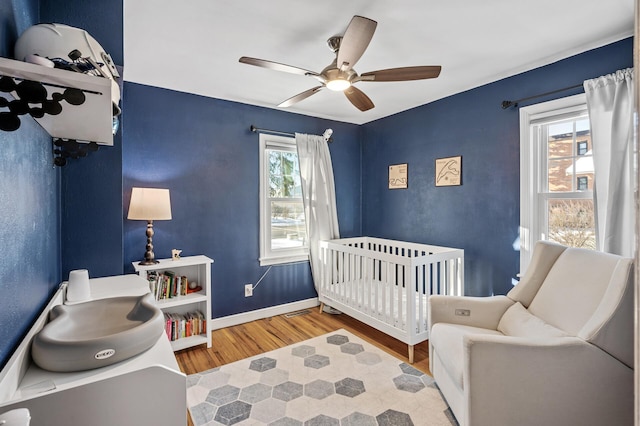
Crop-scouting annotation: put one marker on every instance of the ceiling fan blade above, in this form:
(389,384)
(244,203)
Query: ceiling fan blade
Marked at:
(402,74)
(355,41)
(358,99)
(276,66)
(300,96)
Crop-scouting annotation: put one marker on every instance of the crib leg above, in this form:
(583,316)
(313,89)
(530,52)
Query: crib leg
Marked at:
(410,354)
(321,306)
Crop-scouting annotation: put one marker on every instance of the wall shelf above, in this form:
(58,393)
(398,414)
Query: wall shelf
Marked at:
(91,122)
(181,300)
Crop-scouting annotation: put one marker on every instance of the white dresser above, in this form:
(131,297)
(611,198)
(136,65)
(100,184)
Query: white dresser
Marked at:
(147,389)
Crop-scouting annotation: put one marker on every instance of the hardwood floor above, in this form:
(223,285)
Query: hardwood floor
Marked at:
(256,337)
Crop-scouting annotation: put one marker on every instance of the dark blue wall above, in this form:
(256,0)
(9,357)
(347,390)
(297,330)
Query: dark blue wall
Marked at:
(92,186)
(203,151)
(481,216)
(29,208)
(102,19)
(15,17)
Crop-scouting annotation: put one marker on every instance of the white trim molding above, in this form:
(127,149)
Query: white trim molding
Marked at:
(244,317)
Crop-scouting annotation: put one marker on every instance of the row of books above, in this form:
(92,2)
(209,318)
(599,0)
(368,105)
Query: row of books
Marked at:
(165,285)
(190,324)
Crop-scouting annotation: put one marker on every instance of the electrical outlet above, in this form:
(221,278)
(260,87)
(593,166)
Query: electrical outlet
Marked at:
(248,290)
(463,312)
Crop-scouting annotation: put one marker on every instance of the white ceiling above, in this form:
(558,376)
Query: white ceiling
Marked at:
(194,46)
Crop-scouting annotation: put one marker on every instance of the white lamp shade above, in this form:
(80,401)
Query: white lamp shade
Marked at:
(149,204)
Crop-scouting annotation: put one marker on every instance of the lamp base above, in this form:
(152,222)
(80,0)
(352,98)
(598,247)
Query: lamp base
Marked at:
(149,257)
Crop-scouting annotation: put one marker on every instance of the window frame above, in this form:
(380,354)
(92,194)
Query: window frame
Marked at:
(269,256)
(531,156)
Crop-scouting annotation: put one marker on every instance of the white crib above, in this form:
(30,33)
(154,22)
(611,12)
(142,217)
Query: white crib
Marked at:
(386,283)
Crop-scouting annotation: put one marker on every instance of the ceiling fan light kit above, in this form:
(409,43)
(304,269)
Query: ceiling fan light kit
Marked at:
(338,85)
(340,75)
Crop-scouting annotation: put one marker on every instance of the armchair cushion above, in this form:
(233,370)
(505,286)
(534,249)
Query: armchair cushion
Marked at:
(519,322)
(450,340)
(589,294)
(544,257)
(574,287)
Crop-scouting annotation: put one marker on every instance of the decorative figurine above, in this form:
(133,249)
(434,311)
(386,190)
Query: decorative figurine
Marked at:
(175,254)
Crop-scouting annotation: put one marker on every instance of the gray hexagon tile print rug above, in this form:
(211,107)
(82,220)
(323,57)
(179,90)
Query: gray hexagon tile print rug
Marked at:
(334,379)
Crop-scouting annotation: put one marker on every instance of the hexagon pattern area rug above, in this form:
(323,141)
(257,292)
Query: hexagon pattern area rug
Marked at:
(334,379)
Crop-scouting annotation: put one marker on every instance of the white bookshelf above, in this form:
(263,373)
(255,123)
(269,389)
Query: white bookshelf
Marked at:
(195,268)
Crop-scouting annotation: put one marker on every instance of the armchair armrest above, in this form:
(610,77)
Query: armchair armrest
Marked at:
(574,382)
(484,312)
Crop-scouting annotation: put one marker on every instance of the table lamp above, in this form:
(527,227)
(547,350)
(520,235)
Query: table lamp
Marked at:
(149,204)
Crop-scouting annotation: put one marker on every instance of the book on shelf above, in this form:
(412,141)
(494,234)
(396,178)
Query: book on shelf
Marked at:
(178,326)
(166,285)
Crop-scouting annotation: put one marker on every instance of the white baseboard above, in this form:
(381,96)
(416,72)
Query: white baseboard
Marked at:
(231,320)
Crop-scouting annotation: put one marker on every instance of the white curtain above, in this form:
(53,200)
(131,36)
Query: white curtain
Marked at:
(318,194)
(610,103)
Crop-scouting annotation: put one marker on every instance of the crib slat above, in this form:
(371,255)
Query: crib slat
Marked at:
(421,291)
(342,279)
(403,296)
(386,294)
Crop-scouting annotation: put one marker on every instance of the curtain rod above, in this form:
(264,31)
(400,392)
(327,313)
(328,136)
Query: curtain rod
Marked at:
(507,104)
(327,133)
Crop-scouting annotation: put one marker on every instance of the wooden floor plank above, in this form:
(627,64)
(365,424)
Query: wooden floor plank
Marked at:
(253,338)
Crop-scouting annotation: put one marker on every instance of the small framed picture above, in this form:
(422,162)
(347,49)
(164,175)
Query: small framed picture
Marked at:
(398,178)
(449,171)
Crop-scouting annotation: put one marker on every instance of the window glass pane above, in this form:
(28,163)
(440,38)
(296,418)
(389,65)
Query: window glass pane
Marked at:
(291,175)
(560,143)
(275,186)
(569,155)
(284,174)
(287,224)
(275,158)
(561,175)
(571,222)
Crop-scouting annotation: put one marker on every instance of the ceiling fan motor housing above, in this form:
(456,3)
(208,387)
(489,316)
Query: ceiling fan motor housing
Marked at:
(332,72)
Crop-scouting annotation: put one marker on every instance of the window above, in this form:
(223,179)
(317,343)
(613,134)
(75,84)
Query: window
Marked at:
(583,147)
(556,188)
(583,183)
(283,234)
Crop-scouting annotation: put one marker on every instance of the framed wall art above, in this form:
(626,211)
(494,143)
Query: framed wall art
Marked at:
(398,177)
(449,171)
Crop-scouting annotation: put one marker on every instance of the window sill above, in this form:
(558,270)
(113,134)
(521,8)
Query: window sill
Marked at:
(278,260)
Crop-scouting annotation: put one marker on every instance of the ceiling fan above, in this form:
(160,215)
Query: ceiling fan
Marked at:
(340,75)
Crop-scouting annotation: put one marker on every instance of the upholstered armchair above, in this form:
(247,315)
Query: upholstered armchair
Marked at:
(556,350)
